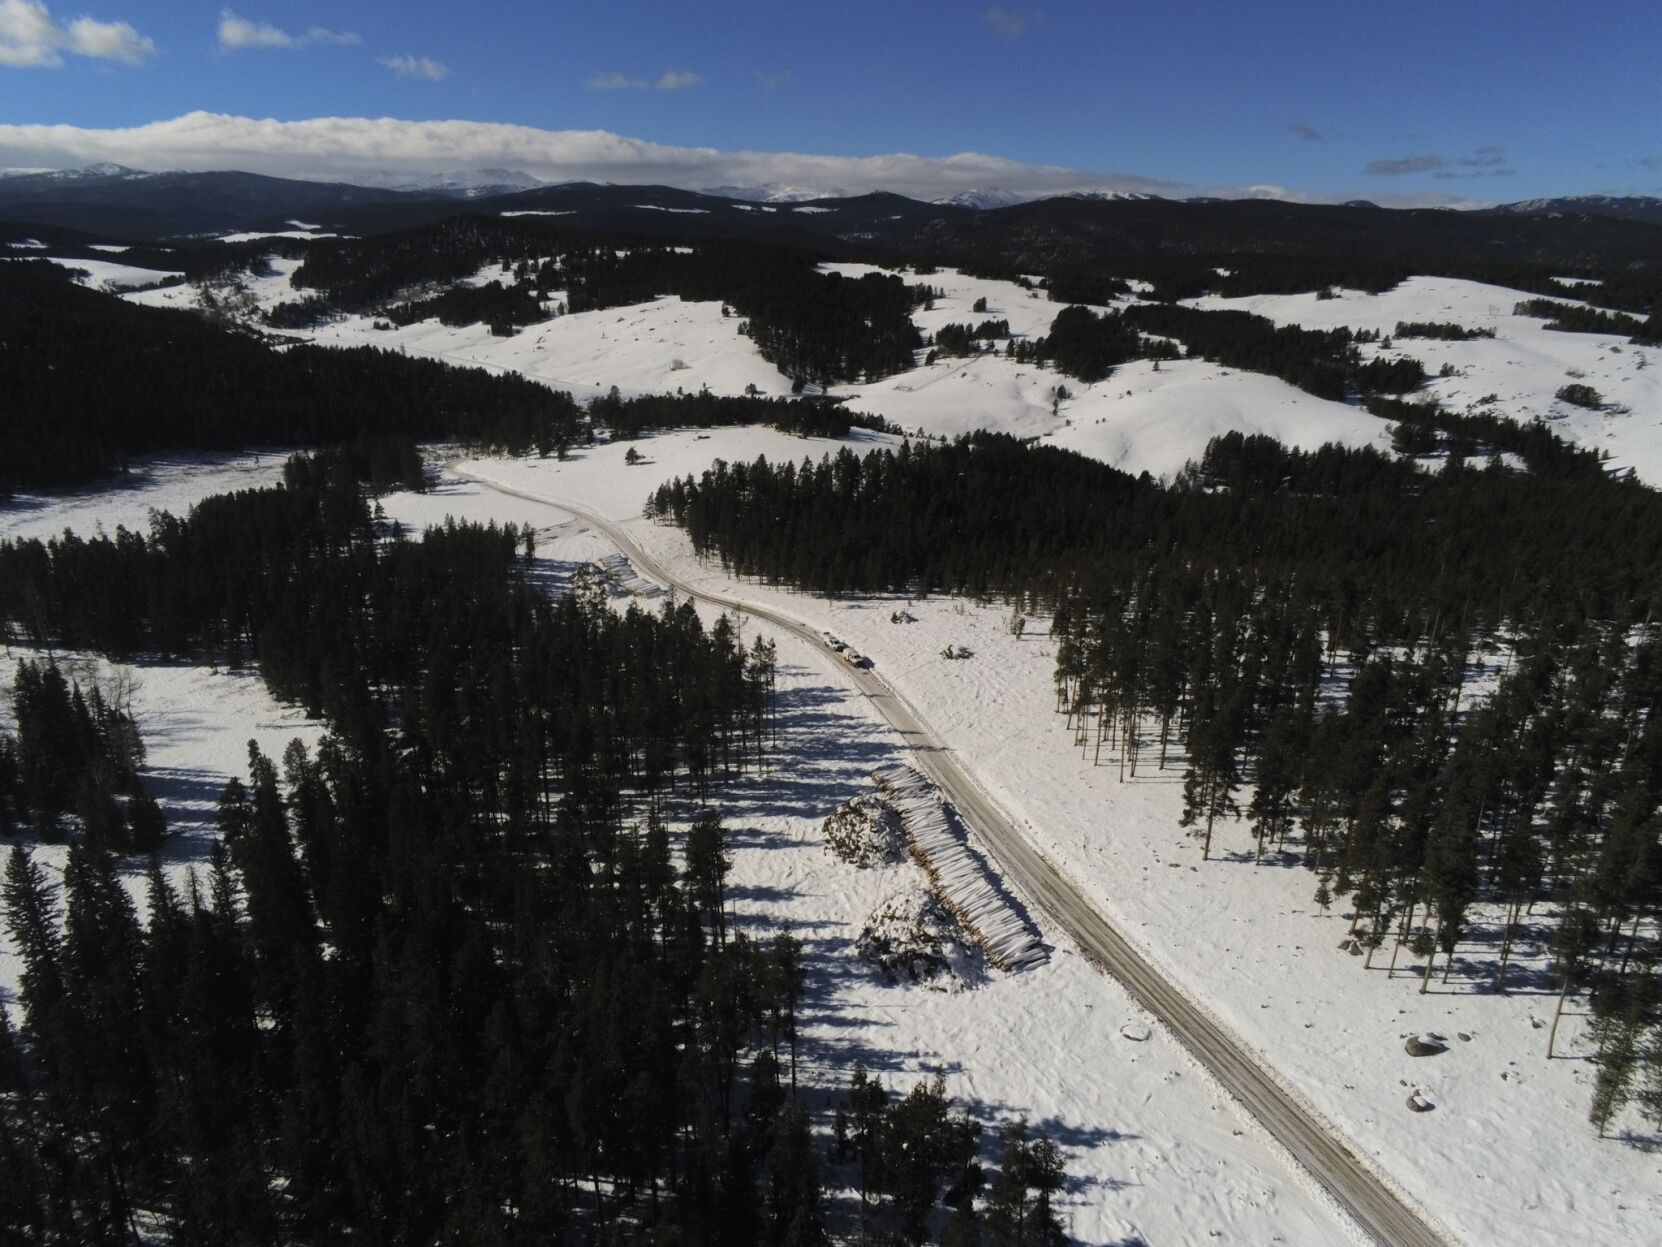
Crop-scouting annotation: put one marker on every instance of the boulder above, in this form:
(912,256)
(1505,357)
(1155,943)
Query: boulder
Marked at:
(1417,1103)
(1423,1045)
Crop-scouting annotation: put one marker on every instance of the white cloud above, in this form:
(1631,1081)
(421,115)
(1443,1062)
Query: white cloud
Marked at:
(348,148)
(344,147)
(30,37)
(616,82)
(238,33)
(318,34)
(772,80)
(1008,24)
(417,67)
(109,41)
(669,80)
(677,80)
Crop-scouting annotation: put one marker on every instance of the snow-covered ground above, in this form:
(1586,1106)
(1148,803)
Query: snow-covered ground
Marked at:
(164,483)
(247,294)
(300,230)
(1523,366)
(646,348)
(106,274)
(1139,419)
(1506,1155)
(1155,1152)
(196,722)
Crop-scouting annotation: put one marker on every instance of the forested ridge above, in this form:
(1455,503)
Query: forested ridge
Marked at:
(91,381)
(445,976)
(813,326)
(1307,625)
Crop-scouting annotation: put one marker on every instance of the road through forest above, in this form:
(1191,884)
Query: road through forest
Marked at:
(1375,1206)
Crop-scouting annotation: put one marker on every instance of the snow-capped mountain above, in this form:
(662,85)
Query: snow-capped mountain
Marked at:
(984,199)
(1111,196)
(90,173)
(1646,208)
(776,193)
(463,183)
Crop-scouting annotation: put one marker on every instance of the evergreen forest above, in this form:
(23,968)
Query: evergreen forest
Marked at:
(447,975)
(1435,691)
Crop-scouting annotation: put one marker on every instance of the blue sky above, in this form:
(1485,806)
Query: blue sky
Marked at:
(1470,100)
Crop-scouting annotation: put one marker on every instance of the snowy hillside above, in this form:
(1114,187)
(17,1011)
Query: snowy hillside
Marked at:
(1522,367)
(107,275)
(1141,418)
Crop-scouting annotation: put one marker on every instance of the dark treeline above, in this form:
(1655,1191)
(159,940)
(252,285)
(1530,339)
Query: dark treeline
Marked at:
(1088,346)
(505,308)
(168,380)
(1174,277)
(294,579)
(1324,362)
(1423,428)
(75,753)
(987,515)
(1573,319)
(1093,284)
(445,975)
(1440,330)
(1308,624)
(956,339)
(645,413)
(361,274)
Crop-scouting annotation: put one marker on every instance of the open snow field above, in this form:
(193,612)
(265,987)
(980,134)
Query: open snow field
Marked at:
(644,348)
(1524,365)
(107,275)
(1506,1154)
(164,483)
(1137,420)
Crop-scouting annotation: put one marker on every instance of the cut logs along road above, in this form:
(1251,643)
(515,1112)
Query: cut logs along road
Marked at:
(1382,1212)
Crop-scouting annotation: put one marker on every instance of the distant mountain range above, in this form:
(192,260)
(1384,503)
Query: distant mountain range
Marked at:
(115,203)
(1623,207)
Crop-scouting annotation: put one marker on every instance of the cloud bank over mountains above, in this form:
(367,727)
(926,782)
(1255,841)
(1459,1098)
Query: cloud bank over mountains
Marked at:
(359,148)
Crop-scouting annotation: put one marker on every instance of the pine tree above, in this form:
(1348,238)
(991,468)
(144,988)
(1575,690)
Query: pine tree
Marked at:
(33,923)
(708,862)
(795,1218)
